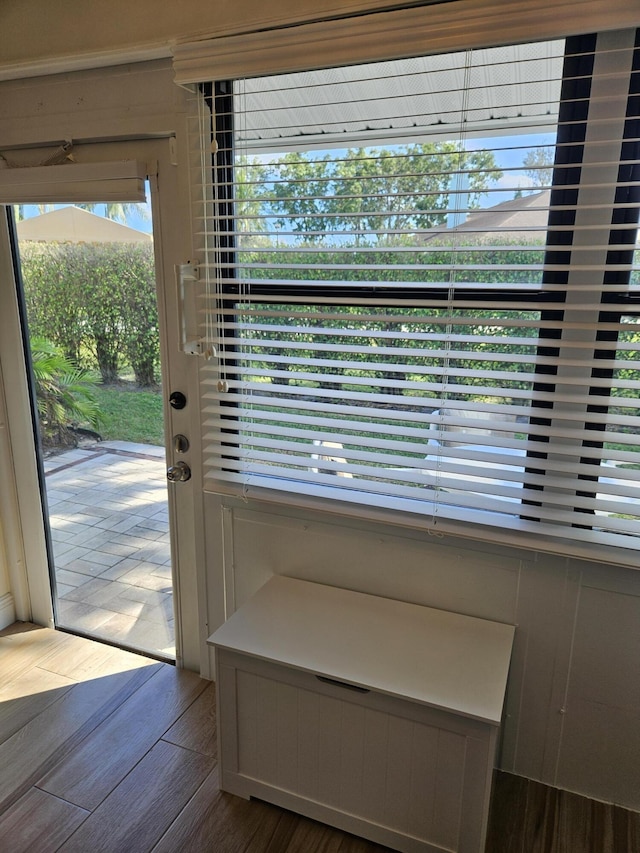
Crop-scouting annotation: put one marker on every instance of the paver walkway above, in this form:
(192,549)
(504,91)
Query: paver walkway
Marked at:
(109,525)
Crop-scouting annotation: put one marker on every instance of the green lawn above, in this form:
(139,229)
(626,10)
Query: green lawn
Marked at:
(130,415)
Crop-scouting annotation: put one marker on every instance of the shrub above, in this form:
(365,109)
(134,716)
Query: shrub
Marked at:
(96,301)
(64,393)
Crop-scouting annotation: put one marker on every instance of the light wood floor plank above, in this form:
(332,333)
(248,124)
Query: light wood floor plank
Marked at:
(20,650)
(79,659)
(19,628)
(196,728)
(137,813)
(27,696)
(92,770)
(46,739)
(38,823)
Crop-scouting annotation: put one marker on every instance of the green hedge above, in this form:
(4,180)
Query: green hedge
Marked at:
(97,301)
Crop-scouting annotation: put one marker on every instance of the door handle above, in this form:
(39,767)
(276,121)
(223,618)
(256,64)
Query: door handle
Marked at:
(178,473)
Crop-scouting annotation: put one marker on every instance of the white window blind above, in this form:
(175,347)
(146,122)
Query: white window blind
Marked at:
(423,292)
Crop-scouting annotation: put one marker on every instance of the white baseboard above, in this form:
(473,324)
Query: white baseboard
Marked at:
(7,611)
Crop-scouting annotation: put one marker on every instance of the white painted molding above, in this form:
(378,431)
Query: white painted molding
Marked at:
(394,34)
(7,611)
(83,62)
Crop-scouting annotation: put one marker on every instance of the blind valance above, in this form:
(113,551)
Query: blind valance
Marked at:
(427,29)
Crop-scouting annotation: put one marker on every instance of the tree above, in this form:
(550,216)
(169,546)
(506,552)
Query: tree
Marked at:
(117,210)
(538,163)
(370,195)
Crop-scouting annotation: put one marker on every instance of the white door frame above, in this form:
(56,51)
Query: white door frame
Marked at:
(129,107)
(178,373)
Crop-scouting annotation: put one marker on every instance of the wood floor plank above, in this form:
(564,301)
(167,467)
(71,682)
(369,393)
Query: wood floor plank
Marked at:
(139,811)
(19,628)
(38,823)
(507,814)
(80,658)
(626,829)
(92,770)
(73,704)
(48,738)
(351,844)
(213,820)
(574,825)
(540,818)
(27,696)
(21,650)
(196,728)
(220,822)
(305,835)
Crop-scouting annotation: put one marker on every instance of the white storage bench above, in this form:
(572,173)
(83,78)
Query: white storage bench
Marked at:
(372,715)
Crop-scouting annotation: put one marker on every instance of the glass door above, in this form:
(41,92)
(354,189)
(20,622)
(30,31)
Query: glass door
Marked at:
(89,295)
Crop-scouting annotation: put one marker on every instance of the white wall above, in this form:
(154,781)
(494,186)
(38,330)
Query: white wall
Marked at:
(44,37)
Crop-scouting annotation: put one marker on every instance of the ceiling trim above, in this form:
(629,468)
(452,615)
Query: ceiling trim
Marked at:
(84,62)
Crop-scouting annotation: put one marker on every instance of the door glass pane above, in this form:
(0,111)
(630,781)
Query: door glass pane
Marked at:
(89,291)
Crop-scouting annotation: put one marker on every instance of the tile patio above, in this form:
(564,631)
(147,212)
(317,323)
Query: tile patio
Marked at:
(110,534)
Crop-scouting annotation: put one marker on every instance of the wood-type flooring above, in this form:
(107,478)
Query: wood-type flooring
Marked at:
(104,751)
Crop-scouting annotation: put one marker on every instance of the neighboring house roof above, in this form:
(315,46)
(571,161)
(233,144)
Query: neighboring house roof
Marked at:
(74,225)
(521,220)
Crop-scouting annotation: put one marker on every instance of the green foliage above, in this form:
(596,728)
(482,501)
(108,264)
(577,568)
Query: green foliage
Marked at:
(53,293)
(97,302)
(65,394)
(386,336)
(372,193)
(130,415)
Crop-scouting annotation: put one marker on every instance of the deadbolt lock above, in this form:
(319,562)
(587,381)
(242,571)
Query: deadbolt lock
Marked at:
(177,400)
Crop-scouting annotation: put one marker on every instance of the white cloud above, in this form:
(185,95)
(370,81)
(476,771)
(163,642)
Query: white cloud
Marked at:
(512,181)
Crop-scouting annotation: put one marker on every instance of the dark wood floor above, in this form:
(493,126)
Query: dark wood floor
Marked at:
(102,751)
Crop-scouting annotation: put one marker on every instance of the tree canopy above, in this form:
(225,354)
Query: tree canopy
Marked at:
(371,195)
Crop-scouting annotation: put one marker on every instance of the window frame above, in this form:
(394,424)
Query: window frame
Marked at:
(549,301)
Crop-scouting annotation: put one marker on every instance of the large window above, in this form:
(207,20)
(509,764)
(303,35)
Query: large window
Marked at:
(423,297)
